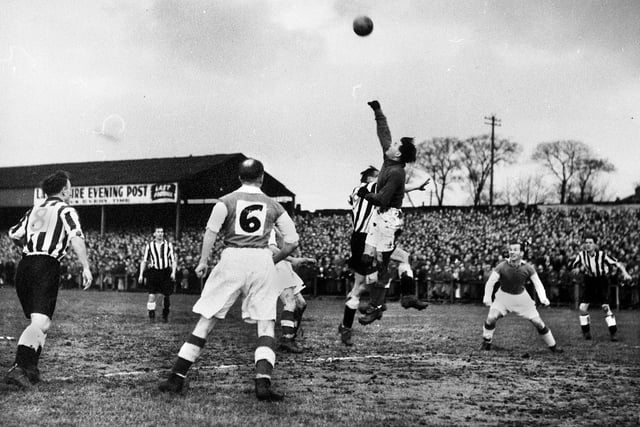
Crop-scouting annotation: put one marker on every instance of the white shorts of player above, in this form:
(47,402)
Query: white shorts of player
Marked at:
(520,304)
(287,278)
(241,271)
(382,232)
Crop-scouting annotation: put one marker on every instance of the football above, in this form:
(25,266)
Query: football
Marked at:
(362,26)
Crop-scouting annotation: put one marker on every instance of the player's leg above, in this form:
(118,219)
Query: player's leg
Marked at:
(287,322)
(610,319)
(167,290)
(545,333)
(37,283)
(30,346)
(589,295)
(350,307)
(188,354)
(489,326)
(151,306)
(378,290)
(301,306)
(265,359)
(585,320)
(408,298)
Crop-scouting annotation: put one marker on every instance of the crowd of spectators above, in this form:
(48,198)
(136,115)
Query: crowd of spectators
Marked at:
(452,249)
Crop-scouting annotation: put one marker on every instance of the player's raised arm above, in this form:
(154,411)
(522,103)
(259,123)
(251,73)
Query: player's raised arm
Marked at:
(384,134)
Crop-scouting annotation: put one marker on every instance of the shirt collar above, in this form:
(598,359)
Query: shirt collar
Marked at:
(249,189)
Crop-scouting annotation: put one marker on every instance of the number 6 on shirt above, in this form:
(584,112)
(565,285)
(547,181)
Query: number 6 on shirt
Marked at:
(250,218)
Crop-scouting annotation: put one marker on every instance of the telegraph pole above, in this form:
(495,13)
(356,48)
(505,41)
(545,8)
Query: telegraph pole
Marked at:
(493,122)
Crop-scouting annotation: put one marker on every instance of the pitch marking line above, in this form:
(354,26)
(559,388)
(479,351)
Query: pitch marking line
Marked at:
(234,367)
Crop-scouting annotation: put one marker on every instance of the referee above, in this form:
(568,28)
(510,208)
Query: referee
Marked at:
(44,234)
(596,265)
(160,263)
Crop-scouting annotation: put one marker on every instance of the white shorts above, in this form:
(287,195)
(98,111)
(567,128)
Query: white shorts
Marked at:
(520,304)
(249,272)
(287,278)
(384,228)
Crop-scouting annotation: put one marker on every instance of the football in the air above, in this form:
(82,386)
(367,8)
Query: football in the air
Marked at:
(362,26)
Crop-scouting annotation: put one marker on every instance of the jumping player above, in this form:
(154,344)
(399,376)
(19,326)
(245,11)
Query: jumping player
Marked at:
(596,265)
(512,297)
(387,222)
(244,218)
(44,234)
(365,273)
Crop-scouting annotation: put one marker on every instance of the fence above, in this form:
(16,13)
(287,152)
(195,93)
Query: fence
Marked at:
(440,291)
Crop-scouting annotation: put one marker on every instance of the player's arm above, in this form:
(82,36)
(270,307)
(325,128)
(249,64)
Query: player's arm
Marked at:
(576,264)
(216,219)
(382,127)
(414,185)
(613,261)
(208,241)
(71,223)
(286,226)
(79,247)
(143,263)
(18,232)
(488,287)
(174,262)
(537,284)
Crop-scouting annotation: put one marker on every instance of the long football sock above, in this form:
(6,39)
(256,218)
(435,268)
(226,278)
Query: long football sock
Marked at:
(288,324)
(348,316)
(188,354)
(547,337)
(487,331)
(265,356)
(585,320)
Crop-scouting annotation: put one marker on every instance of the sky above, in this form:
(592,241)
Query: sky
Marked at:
(287,82)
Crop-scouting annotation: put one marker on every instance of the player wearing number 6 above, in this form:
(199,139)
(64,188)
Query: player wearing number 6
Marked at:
(244,218)
(512,297)
(44,233)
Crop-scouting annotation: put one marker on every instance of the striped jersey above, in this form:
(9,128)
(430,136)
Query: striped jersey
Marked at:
(159,255)
(46,229)
(597,265)
(361,209)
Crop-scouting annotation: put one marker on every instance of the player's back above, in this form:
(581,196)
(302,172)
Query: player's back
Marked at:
(250,218)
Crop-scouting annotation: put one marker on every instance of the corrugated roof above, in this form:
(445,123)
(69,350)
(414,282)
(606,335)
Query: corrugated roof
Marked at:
(199,176)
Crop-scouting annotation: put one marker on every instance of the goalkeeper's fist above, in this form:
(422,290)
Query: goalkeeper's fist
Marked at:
(375,105)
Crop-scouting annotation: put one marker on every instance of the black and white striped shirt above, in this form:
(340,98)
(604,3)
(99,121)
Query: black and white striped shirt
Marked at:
(46,229)
(361,209)
(597,265)
(158,255)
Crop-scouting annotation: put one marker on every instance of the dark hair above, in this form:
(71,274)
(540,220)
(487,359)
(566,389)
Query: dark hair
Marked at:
(55,183)
(250,170)
(590,236)
(407,150)
(367,173)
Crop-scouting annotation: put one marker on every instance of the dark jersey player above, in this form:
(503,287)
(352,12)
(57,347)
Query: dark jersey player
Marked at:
(386,223)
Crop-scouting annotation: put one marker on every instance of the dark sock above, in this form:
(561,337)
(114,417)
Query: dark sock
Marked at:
(407,287)
(347,318)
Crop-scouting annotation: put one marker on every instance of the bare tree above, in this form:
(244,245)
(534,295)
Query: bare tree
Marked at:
(475,157)
(528,189)
(588,171)
(562,159)
(440,157)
